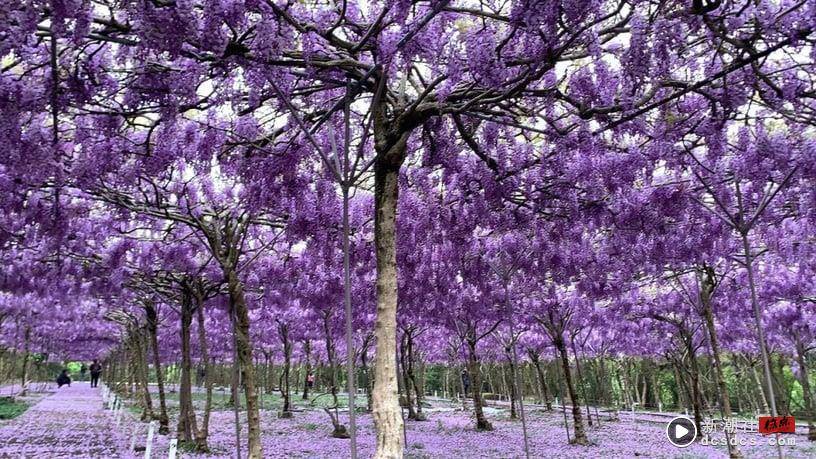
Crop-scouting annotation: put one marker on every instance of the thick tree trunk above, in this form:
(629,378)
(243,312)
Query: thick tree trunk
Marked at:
(580,434)
(387,415)
(152,328)
(247,369)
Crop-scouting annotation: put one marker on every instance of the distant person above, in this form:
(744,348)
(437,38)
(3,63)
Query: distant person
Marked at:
(63,379)
(201,374)
(96,371)
(310,380)
(466,382)
(82,371)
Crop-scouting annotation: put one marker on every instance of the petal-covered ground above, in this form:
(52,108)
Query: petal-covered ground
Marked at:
(72,422)
(69,423)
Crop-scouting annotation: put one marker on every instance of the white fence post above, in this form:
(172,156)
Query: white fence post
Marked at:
(133,437)
(149,443)
(118,409)
(173,449)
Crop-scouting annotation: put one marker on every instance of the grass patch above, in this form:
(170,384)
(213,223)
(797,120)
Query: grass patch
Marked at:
(10,409)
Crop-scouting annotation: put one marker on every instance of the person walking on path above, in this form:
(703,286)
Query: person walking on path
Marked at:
(63,379)
(96,371)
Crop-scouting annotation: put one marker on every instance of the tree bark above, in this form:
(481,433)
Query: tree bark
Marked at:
(307,351)
(476,385)
(387,415)
(762,395)
(26,358)
(580,434)
(367,371)
(152,328)
(405,383)
(139,359)
(187,420)
(244,348)
(204,432)
(286,410)
(694,382)
(707,285)
(542,379)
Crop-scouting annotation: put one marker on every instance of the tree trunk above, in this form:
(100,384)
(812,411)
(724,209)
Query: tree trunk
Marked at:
(187,420)
(387,414)
(542,379)
(476,385)
(413,380)
(203,433)
(582,381)
(512,388)
(406,383)
(307,351)
(580,434)
(804,380)
(366,371)
(707,284)
(763,395)
(152,328)
(340,430)
(24,377)
(680,388)
(247,369)
(694,382)
(286,410)
(140,370)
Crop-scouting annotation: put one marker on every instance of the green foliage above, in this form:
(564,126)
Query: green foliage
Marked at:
(10,408)
(73,367)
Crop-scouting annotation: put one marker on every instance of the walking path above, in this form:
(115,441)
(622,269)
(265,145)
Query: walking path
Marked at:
(71,422)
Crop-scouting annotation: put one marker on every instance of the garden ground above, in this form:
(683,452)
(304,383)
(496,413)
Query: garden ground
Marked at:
(72,422)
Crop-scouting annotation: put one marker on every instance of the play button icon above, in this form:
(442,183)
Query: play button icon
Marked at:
(681,431)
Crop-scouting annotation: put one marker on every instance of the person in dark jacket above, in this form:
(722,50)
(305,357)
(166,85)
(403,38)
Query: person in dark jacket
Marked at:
(466,382)
(63,379)
(96,370)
